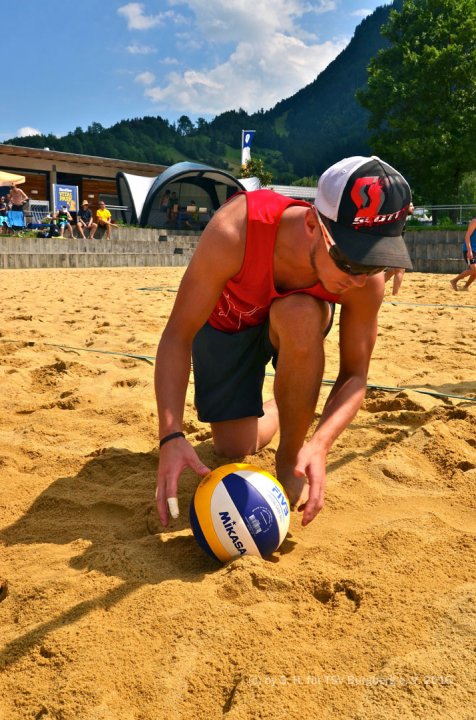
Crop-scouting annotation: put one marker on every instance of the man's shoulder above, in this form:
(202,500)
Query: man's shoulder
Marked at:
(267,205)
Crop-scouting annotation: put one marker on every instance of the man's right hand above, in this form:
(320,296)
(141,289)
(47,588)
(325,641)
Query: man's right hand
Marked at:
(175,456)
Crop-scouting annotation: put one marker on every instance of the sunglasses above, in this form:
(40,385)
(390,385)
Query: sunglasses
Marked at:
(351,268)
(342,262)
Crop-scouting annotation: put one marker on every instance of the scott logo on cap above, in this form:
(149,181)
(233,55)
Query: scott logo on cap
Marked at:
(365,201)
(368,194)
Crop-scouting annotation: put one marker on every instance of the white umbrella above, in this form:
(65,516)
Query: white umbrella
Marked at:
(7,178)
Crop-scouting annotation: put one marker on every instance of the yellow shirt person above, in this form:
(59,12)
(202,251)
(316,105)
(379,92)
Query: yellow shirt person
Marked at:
(103,217)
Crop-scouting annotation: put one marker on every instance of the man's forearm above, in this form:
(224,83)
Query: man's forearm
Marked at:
(172,373)
(342,405)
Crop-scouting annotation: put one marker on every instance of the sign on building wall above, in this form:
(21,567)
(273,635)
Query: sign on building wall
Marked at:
(65,195)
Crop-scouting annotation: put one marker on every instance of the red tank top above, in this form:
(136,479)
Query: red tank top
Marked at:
(247,297)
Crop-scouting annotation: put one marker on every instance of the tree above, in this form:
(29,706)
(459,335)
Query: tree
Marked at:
(202,126)
(184,125)
(95,128)
(255,168)
(421,95)
(307,181)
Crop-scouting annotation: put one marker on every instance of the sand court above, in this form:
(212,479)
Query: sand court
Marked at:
(366,613)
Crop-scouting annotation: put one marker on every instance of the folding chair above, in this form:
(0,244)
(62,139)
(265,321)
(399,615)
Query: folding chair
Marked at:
(16,220)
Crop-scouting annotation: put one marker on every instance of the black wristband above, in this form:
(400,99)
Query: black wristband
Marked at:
(172,436)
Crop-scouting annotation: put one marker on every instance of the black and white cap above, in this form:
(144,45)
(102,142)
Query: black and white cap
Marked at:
(366,203)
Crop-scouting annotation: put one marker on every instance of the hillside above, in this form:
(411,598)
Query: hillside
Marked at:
(297,138)
(324,122)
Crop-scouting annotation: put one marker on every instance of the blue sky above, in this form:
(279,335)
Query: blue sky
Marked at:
(69,63)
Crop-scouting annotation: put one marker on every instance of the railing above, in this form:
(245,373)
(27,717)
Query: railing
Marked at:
(464,212)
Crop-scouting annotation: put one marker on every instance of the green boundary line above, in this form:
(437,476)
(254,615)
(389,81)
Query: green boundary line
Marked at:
(150,360)
(159,289)
(31,343)
(385,302)
(388,388)
(436,305)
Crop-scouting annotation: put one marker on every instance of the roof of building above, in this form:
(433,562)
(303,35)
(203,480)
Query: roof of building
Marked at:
(19,151)
(295,191)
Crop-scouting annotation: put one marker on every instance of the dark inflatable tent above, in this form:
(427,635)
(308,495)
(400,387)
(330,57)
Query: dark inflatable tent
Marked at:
(184,196)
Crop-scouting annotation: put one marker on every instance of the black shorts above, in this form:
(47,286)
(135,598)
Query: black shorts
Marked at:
(469,262)
(229,371)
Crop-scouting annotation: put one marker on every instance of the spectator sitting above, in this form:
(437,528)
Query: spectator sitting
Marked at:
(85,221)
(172,210)
(183,218)
(64,220)
(48,228)
(194,212)
(18,198)
(104,218)
(3,214)
(164,201)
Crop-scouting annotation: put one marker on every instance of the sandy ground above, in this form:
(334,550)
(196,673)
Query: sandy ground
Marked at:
(367,613)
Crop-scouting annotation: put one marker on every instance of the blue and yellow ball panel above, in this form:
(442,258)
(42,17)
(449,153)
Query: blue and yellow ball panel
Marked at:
(197,531)
(238,510)
(254,511)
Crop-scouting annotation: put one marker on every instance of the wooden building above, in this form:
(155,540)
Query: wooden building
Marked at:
(94,176)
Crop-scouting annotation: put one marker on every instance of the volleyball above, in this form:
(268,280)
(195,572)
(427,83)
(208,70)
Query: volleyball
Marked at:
(239,510)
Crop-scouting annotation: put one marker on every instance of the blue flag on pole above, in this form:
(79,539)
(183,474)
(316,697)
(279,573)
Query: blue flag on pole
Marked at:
(246,139)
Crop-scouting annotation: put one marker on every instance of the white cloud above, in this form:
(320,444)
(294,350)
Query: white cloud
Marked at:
(324,6)
(136,49)
(136,20)
(272,56)
(251,78)
(145,78)
(236,20)
(27,131)
(363,12)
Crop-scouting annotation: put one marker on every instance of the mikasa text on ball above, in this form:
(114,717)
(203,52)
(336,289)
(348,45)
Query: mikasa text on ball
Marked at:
(239,510)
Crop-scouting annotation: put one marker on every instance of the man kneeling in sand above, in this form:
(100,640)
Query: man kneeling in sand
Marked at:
(261,286)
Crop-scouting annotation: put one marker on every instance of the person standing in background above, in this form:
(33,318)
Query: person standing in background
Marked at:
(469,252)
(19,198)
(398,273)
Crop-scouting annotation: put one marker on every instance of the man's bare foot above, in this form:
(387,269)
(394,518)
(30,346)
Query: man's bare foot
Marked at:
(454,285)
(297,488)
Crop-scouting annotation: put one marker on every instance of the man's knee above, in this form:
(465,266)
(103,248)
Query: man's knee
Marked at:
(299,318)
(235,438)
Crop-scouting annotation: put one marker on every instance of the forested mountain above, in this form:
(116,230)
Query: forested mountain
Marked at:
(299,137)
